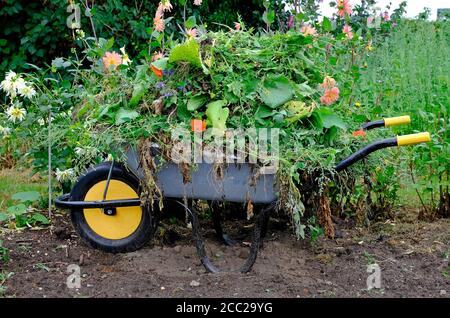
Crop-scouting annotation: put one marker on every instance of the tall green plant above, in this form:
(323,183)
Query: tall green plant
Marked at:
(409,75)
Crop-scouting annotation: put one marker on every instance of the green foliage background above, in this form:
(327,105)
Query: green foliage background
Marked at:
(36,31)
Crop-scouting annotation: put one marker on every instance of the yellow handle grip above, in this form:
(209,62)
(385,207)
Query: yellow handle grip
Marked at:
(413,139)
(396,121)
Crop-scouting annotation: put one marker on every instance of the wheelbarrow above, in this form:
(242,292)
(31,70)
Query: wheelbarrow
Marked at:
(108,212)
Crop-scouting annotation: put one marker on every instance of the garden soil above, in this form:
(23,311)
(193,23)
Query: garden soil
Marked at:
(412,256)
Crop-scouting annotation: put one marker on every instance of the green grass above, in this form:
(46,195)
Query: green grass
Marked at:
(13,181)
(409,75)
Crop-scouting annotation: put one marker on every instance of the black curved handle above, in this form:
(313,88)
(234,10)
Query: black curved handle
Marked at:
(364,152)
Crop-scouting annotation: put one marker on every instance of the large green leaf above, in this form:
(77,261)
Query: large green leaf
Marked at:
(298,110)
(17,209)
(3,217)
(190,22)
(305,90)
(217,115)
(38,217)
(138,92)
(195,102)
(188,51)
(124,115)
(329,119)
(276,90)
(29,196)
(326,25)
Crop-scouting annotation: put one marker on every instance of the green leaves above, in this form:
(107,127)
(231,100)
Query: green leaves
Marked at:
(125,115)
(197,101)
(161,64)
(18,209)
(276,90)
(305,90)
(20,212)
(29,196)
(326,118)
(3,217)
(217,115)
(326,25)
(40,218)
(142,81)
(60,63)
(298,110)
(138,92)
(269,17)
(189,52)
(190,22)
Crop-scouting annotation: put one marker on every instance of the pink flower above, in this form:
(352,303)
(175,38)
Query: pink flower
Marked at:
(158,21)
(369,20)
(164,6)
(348,31)
(290,23)
(191,33)
(111,60)
(198,2)
(237,26)
(386,16)
(308,31)
(344,7)
(328,83)
(330,96)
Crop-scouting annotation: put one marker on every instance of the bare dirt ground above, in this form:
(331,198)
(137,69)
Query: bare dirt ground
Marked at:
(413,257)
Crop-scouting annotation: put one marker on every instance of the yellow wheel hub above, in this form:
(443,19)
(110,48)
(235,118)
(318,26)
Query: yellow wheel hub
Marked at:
(124,222)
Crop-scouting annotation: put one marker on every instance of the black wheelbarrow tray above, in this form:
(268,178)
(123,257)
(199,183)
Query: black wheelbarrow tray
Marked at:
(108,212)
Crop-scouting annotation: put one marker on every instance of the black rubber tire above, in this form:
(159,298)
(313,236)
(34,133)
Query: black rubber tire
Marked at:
(133,242)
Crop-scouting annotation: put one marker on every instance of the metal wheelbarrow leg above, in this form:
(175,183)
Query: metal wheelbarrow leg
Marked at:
(258,230)
(217,221)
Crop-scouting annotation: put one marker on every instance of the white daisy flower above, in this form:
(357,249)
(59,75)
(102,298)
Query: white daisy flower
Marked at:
(125,58)
(14,83)
(16,113)
(41,121)
(10,76)
(19,84)
(27,91)
(7,84)
(64,175)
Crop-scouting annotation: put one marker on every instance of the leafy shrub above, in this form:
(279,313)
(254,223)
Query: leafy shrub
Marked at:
(36,32)
(409,75)
(21,213)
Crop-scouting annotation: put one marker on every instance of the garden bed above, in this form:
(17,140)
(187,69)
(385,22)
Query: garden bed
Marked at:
(411,257)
